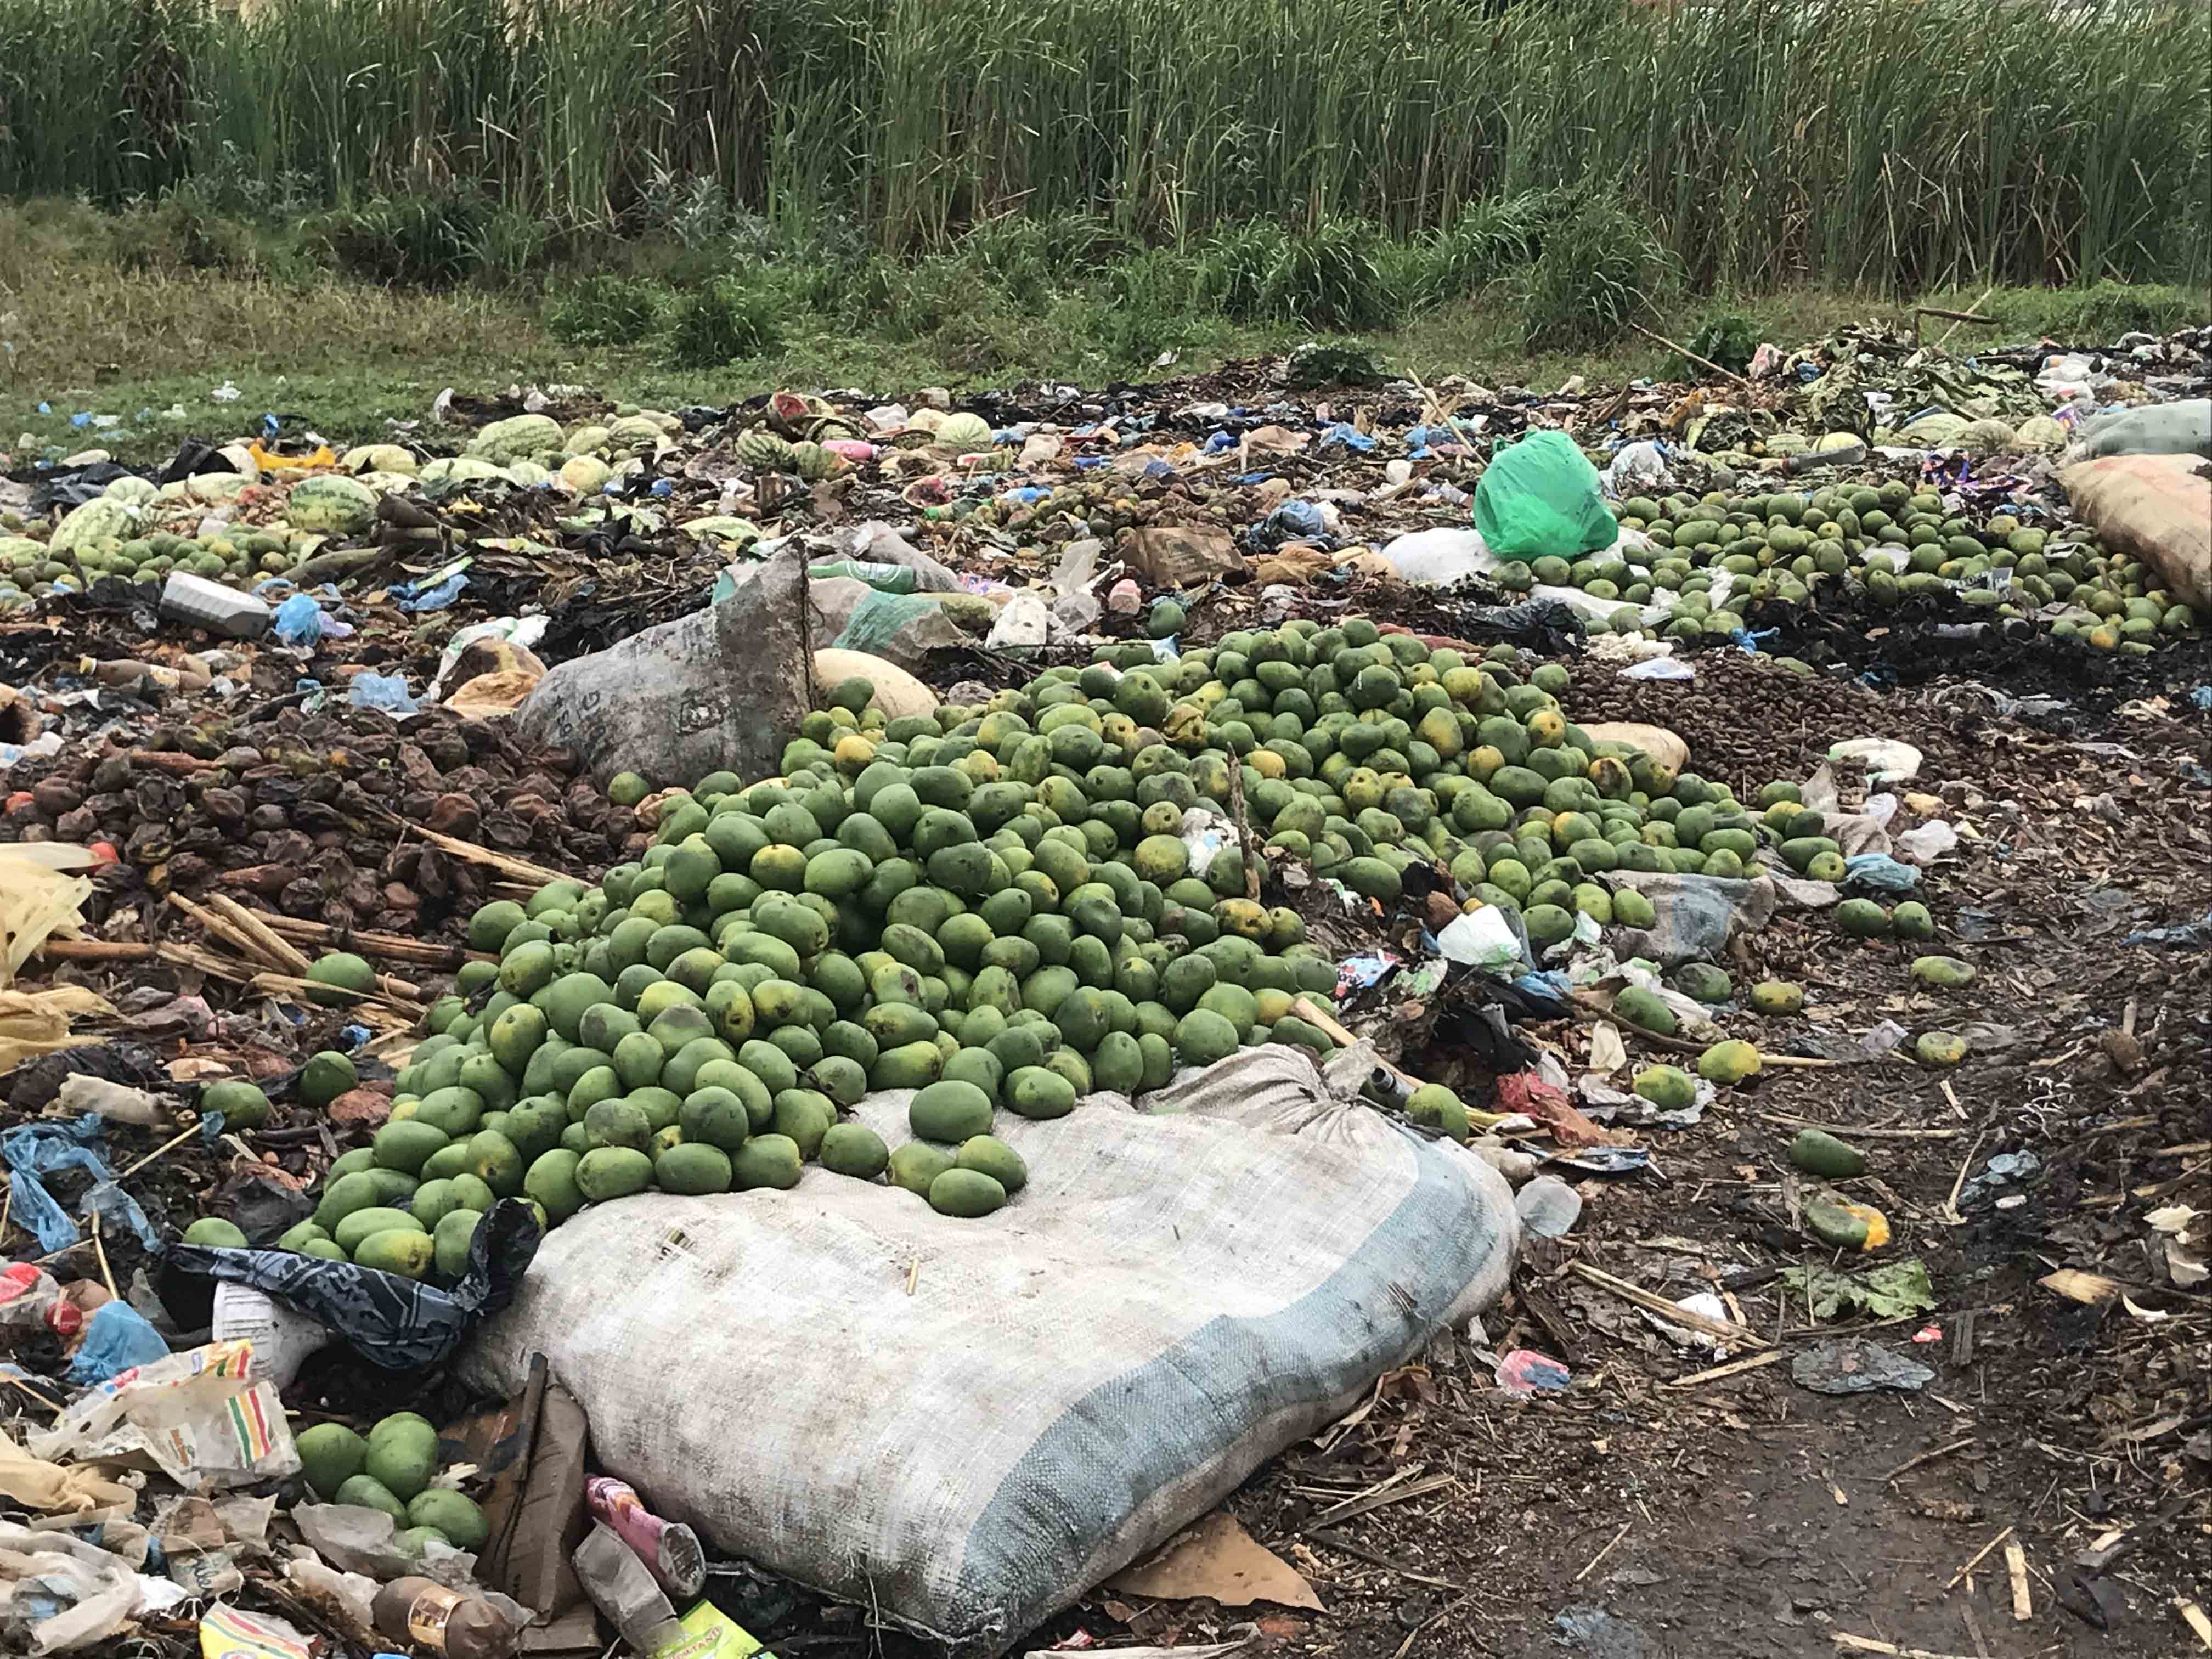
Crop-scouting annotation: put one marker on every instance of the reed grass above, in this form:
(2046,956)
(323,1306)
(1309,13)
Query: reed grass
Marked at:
(1894,144)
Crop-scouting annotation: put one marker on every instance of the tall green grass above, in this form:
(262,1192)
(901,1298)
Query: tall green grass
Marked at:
(1894,143)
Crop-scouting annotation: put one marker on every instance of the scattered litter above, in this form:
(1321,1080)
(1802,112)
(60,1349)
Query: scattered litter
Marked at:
(1855,1365)
(1524,1373)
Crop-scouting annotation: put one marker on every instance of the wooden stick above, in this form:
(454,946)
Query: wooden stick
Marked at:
(50,1404)
(1733,1367)
(1595,1011)
(96,950)
(1335,1540)
(288,956)
(1980,1555)
(1850,1131)
(177,1140)
(1942,339)
(205,962)
(164,760)
(387,988)
(1243,832)
(1314,1014)
(1602,1553)
(2023,1602)
(1707,362)
(1950,1210)
(1911,1463)
(383,1002)
(1659,1304)
(521,869)
(237,938)
(99,1249)
(1867,1644)
(2194,1617)
(396,947)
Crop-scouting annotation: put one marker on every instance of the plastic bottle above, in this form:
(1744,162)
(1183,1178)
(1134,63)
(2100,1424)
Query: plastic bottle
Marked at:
(426,1615)
(669,1548)
(623,1587)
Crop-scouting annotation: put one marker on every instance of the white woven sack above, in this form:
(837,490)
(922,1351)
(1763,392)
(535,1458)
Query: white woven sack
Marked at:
(966,1423)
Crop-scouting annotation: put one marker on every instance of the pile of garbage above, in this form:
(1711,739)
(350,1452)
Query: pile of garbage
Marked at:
(309,811)
(896,894)
(1847,474)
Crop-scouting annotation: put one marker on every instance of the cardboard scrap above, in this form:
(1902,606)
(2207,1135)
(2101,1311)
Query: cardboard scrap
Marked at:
(1216,1558)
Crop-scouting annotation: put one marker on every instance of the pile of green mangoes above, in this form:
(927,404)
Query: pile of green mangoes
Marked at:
(1894,540)
(390,1470)
(998,906)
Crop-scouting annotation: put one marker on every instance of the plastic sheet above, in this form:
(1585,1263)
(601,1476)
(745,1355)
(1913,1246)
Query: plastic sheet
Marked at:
(391,1322)
(33,1149)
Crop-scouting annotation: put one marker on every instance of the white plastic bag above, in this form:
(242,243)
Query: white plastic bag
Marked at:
(967,1424)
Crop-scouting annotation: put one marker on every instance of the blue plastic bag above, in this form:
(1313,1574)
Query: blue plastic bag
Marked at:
(116,1338)
(1541,498)
(40,1149)
(385,691)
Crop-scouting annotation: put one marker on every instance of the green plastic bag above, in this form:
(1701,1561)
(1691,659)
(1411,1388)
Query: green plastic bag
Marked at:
(1539,498)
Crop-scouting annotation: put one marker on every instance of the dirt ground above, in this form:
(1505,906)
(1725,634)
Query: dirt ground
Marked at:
(1672,1501)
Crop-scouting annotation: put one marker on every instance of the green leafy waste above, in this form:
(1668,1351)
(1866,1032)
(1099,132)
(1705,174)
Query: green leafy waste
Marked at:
(1897,1290)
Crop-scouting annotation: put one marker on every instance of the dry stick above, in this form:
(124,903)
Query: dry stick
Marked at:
(1867,1644)
(521,869)
(1391,1490)
(164,760)
(1397,1495)
(288,956)
(1945,337)
(2023,1602)
(1243,832)
(1593,1011)
(1955,317)
(1602,1553)
(1912,1463)
(1337,1541)
(1850,1131)
(1314,1014)
(396,947)
(237,938)
(1733,1368)
(50,1404)
(1950,1211)
(205,962)
(177,1140)
(96,950)
(2194,1617)
(1981,1554)
(388,989)
(1659,1304)
(99,1249)
(1707,362)
(382,1002)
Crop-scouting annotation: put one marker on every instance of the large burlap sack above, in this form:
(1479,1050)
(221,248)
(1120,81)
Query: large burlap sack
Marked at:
(2156,508)
(967,1424)
(719,690)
